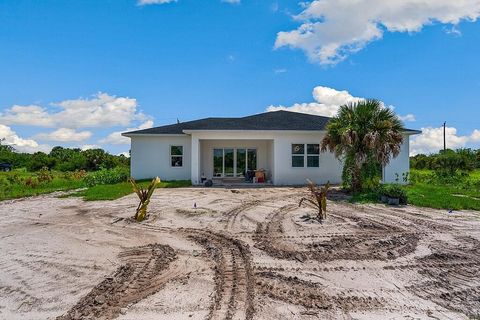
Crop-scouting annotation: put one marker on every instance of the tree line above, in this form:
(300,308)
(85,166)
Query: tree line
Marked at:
(448,162)
(63,159)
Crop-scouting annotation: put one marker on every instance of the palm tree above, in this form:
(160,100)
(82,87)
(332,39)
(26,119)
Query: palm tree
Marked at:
(363,132)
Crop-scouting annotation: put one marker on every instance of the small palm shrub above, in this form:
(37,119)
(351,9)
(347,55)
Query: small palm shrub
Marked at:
(144,195)
(317,196)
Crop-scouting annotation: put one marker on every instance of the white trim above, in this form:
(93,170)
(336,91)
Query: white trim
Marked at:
(254,131)
(129,135)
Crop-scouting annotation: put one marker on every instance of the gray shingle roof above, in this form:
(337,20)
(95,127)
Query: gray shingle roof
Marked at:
(277,120)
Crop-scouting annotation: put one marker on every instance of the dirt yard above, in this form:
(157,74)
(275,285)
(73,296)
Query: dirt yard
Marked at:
(241,254)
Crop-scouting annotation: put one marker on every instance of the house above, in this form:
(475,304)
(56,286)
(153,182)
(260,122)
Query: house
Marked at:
(285,145)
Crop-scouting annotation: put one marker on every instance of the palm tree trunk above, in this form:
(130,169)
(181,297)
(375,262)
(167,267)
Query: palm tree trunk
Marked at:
(356,179)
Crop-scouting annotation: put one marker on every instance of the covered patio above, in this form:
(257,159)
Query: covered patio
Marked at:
(236,161)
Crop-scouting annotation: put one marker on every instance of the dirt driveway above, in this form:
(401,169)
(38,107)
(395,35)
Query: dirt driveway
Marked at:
(240,254)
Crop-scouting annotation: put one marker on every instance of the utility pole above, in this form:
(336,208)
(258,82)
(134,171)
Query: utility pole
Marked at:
(444,137)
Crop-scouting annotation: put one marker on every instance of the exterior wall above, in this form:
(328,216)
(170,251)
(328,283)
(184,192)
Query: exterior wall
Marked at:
(270,160)
(207,146)
(399,165)
(151,157)
(330,168)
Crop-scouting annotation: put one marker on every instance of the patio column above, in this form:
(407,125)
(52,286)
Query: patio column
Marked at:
(195,170)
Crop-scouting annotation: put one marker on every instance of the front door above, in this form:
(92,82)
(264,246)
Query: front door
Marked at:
(233,162)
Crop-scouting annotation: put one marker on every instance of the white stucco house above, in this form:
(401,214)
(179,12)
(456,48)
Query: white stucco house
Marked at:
(283,145)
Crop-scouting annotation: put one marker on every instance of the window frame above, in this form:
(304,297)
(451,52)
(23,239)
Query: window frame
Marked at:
(305,155)
(170,158)
(317,155)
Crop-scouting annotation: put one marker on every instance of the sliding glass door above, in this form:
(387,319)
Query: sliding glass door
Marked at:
(228,160)
(233,162)
(241,162)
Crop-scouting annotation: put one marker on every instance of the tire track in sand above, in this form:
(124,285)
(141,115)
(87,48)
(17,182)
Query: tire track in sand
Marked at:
(385,241)
(234,283)
(142,275)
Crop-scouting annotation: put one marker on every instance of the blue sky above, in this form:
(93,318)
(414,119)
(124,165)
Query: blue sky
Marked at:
(154,63)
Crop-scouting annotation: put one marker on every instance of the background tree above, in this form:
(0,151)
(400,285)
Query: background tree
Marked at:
(363,135)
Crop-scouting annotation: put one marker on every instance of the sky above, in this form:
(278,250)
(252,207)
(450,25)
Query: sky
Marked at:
(78,73)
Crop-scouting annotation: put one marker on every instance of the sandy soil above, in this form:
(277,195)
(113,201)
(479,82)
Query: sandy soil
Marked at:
(241,254)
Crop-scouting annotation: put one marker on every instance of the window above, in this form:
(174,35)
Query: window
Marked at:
(176,156)
(308,152)
(298,155)
(313,155)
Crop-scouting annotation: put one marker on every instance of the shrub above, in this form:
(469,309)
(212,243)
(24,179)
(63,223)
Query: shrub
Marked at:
(14,178)
(31,182)
(107,176)
(393,191)
(5,185)
(75,175)
(317,196)
(144,196)
(44,175)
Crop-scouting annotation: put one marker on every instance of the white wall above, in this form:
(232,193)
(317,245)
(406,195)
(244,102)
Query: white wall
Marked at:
(207,146)
(399,165)
(151,157)
(330,168)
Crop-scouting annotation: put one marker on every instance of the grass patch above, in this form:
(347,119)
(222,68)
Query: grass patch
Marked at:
(12,185)
(119,190)
(365,197)
(443,197)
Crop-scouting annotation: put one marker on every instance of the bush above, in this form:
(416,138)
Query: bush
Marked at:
(107,176)
(393,191)
(31,182)
(75,175)
(5,185)
(44,175)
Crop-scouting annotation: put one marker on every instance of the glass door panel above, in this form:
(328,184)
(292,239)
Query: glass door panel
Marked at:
(217,162)
(228,162)
(252,159)
(241,162)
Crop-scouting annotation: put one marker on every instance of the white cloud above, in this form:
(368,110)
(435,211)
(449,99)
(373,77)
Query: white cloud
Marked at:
(408,118)
(431,140)
(330,30)
(117,138)
(327,102)
(89,147)
(145,2)
(102,110)
(475,136)
(280,70)
(64,135)
(20,144)
(125,154)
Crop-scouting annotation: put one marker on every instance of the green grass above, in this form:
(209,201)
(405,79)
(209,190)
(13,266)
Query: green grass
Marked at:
(10,189)
(443,197)
(365,197)
(426,191)
(14,190)
(116,191)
